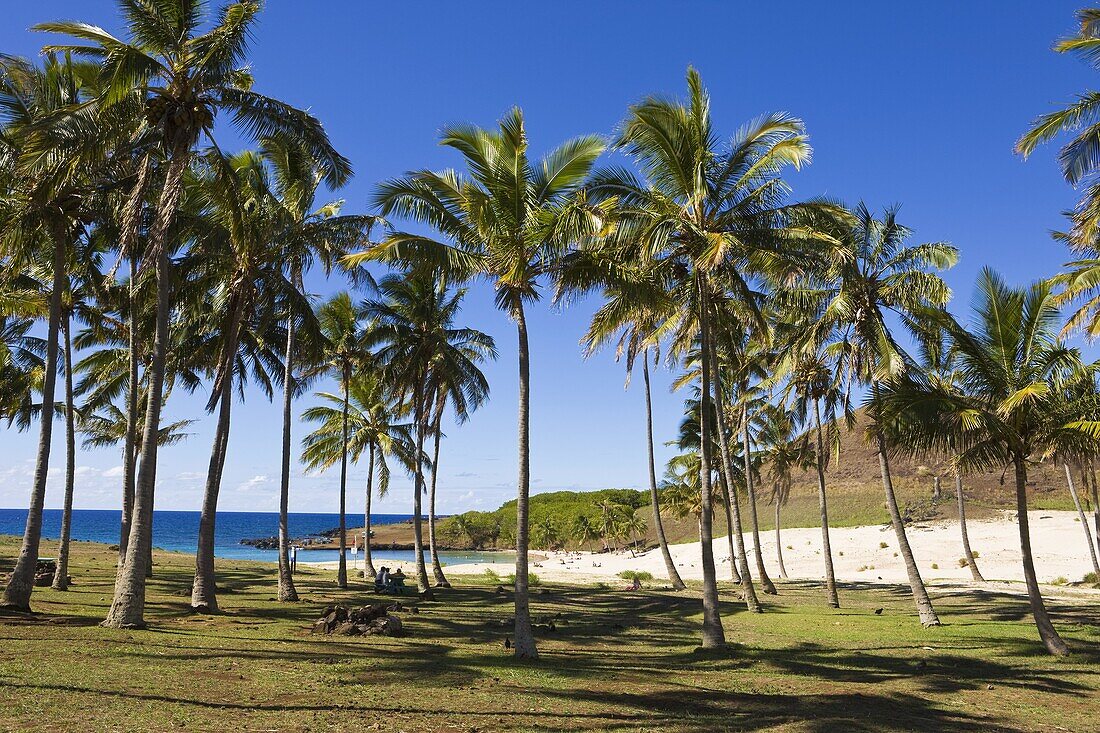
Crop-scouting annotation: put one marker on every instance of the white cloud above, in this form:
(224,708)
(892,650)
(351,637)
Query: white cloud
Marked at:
(255,482)
(115,472)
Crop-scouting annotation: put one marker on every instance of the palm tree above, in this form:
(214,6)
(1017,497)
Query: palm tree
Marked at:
(937,362)
(51,183)
(814,385)
(185,78)
(1081,517)
(1078,158)
(633,524)
(547,535)
(235,265)
(784,451)
(1012,407)
(1080,387)
(345,353)
(713,220)
(431,364)
(883,274)
(20,353)
(81,283)
(455,381)
(119,324)
(680,488)
(633,307)
(371,430)
(724,483)
(611,515)
(308,236)
(583,530)
(744,362)
(506,220)
(722,427)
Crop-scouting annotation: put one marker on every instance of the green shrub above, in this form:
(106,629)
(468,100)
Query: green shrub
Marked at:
(492,576)
(1060,580)
(532,579)
(962,562)
(642,576)
(883,545)
(935,566)
(1091,579)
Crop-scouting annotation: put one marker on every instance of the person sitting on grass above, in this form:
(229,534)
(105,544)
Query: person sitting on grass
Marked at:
(397,582)
(382,580)
(636,585)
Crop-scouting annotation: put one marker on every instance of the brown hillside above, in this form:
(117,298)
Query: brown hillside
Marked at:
(856,498)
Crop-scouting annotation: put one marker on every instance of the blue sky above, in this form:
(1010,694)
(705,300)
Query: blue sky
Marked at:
(917,104)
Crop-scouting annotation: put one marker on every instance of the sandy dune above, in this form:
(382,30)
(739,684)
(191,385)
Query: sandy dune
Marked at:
(1058,543)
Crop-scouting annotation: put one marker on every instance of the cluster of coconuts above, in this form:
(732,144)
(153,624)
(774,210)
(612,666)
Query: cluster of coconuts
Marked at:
(159,109)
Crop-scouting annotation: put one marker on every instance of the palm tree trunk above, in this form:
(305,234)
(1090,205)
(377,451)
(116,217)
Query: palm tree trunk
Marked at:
(831,594)
(714,636)
(437,568)
(779,543)
(726,469)
(61,573)
(422,584)
(967,553)
(287,591)
(735,559)
(524,634)
(750,487)
(1049,635)
(131,223)
(204,591)
(129,451)
(128,606)
(1084,519)
(342,566)
(925,610)
(659,527)
(149,551)
(1095,501)
(368,562)
(17,594)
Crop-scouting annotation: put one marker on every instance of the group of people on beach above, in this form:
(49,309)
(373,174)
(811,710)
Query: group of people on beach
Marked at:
(387,582)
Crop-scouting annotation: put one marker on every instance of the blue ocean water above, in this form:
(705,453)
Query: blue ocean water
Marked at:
(178,531)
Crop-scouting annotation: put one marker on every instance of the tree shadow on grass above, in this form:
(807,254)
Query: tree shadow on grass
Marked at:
(676,711)
(933,671)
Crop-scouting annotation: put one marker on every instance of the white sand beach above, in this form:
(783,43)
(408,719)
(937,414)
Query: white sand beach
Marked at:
(1058,544)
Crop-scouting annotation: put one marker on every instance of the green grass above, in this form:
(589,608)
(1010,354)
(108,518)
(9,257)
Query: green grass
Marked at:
(615,661)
